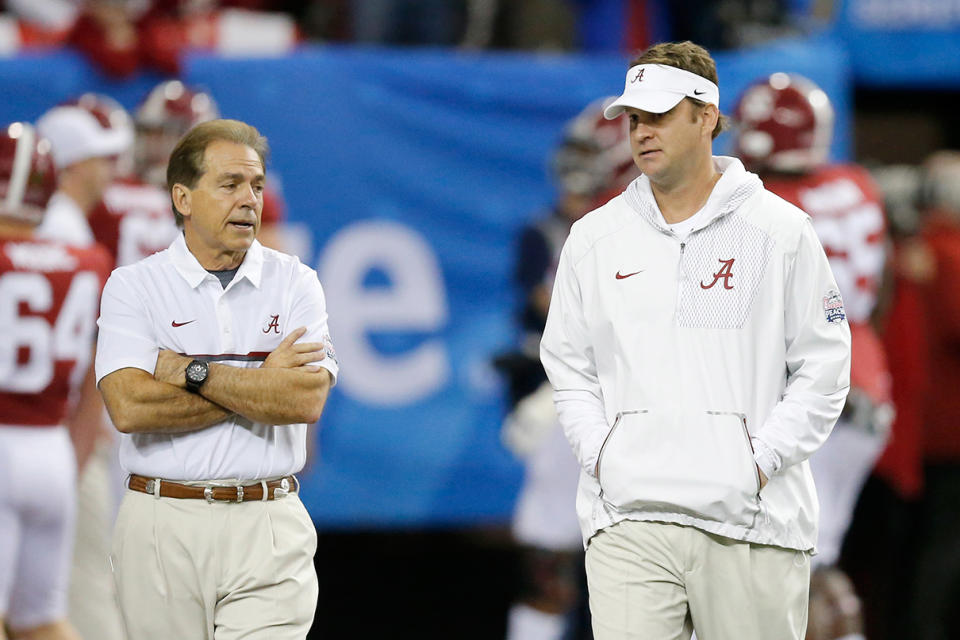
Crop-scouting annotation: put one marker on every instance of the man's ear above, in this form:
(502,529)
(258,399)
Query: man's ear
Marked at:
(181,199)
(711,115)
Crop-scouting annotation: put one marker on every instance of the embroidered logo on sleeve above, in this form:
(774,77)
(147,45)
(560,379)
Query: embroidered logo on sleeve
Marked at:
(833,307)
(328,349)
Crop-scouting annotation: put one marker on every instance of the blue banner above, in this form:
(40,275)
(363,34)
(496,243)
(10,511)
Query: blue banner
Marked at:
(413,172)
(893,43)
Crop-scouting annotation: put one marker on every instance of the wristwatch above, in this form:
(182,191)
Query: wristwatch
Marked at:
(196,374)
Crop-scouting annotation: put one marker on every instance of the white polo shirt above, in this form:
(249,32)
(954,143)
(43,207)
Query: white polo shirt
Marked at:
(169,301)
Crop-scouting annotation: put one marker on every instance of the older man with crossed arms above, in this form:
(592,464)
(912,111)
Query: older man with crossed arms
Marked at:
(212,359)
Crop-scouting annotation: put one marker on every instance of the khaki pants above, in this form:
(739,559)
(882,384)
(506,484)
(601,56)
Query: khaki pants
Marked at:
(657,581)
(186,568)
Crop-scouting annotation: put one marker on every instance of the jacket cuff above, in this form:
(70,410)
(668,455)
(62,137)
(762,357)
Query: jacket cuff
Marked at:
(766,458)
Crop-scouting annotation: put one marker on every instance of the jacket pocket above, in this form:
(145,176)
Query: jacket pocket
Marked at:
(699,463)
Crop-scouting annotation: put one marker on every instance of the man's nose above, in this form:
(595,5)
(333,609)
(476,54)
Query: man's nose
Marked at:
(641,131)
(248,197)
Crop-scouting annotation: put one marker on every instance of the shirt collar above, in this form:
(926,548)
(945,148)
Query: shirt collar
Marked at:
(252,266)
(191,270)
(734,186)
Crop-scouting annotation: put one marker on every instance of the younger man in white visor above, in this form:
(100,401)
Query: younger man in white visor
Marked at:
(699,353)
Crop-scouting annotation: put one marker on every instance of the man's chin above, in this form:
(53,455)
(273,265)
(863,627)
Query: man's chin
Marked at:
(239,244)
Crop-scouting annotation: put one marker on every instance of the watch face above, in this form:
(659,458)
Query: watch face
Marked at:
(196,371)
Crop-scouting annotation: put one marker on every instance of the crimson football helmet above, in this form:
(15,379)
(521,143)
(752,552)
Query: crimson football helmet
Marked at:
(594,156)
(784,123)
(27,175)
(168,112)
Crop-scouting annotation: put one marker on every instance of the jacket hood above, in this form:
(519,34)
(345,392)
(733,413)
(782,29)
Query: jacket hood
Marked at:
(736,184)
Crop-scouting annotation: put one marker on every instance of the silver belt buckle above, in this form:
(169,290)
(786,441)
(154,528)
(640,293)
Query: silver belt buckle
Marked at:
(153,487)
(208,492)
(283,490)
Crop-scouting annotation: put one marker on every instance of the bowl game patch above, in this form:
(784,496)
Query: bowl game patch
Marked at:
(833,307)
(328,349)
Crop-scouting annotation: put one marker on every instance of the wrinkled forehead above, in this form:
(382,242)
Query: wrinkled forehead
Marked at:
(227,157)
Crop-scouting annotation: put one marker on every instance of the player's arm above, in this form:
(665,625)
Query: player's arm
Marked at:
(286,389)
(86,421)
(885,289)
(139,403)
(532,262)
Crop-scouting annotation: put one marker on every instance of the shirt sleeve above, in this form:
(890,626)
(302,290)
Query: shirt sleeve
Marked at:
(310,310)
(584,423)
(568,358)
(126,337)
(817,358)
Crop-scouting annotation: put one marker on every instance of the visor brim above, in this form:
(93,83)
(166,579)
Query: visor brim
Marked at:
(649,101)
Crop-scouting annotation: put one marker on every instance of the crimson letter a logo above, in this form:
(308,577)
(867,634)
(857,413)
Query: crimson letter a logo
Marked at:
(725,272)
(274,324)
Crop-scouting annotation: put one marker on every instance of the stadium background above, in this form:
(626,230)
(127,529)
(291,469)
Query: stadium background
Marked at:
(408,173)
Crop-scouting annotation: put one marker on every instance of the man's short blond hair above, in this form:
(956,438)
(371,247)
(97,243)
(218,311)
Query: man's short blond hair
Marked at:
(186,161)
(689,57)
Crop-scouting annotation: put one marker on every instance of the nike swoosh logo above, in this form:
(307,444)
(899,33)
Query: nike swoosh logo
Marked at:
(698,93)
(174,323)
(621,276)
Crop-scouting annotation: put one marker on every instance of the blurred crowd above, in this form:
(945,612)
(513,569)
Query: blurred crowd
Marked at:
(124,36)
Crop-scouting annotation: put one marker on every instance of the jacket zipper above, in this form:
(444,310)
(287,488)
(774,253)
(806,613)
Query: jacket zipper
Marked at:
(753,453)
(679,292)
(616,423)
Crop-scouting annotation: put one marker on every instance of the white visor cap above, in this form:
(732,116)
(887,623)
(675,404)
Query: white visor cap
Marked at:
(657,88)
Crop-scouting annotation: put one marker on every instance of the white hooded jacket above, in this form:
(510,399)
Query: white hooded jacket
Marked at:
(707,356)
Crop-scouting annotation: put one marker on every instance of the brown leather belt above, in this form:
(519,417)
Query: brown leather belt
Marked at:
(215,492)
